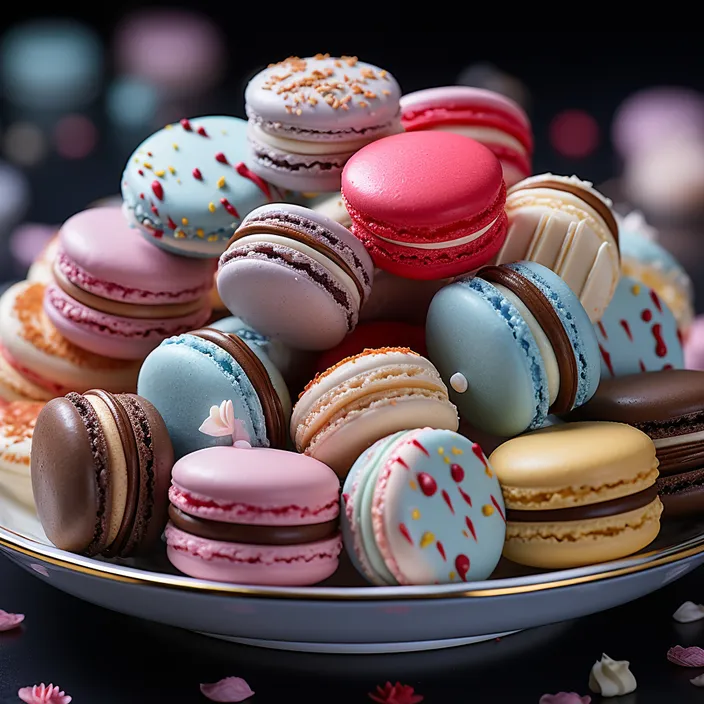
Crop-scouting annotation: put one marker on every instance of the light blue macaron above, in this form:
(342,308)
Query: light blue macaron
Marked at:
(487,353)
(423,507)
(186,375)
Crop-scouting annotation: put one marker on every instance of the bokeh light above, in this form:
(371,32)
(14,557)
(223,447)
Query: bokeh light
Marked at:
(75,137)
(28,240)
(177,51)
(132,102)
(656,114)
(15,196)
(574,134)
(487,75)
(24,144)
(51,65)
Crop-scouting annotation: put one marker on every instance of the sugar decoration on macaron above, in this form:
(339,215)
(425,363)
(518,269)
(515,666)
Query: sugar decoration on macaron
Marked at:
(222,422)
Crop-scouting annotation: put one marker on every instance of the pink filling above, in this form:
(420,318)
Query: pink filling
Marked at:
(234,512)
(81,278)
(33,377)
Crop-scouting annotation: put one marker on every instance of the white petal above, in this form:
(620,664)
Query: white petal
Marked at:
(698,681)
(689,612)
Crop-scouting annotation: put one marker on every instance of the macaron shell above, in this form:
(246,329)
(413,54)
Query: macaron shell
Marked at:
(14,387)
(502,365)
(638,333)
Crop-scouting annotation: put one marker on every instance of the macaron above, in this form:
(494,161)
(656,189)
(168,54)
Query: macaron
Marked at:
(423,507)
(514,344)
(566,225)
(17,421)
(434,222)
(101,465)
(116,295)
(669,407)
(578,494)
(308,116)
(42,267)
(363,398)
(188,374)
(254,516)
(188,186)
(637,332)
(38,363)
(489,117)
(296,276)
(645,259)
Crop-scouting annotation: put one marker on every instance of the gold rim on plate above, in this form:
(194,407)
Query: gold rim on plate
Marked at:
(131,575)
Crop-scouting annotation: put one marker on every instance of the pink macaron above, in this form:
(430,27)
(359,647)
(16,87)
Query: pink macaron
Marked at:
(427,205)
(254,516)
(491,118)
(117,295)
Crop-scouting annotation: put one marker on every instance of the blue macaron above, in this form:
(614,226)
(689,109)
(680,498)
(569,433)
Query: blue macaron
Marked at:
(514,344)
(188,374)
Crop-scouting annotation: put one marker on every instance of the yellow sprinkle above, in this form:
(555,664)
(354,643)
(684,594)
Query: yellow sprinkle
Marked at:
(452,575)
(441,450)
(180,234)
(160,173)
(457,451)
(178,180)
(310,195)
(136,160)
(200,232)
(211,207)
(147,165)
(413,485)
(169,127)
(415,514)
(212,238)
(635,289)
(224,132)
(488,472)
(184,221)
(427,539)
(221,182)
(175,146)
(465,533)
(447,459)
(172,170)
(487,510)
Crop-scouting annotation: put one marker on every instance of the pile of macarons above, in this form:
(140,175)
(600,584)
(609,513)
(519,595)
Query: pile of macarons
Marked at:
(355,321)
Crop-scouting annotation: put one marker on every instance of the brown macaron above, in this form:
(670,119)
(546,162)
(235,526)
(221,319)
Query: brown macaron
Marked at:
(101,469)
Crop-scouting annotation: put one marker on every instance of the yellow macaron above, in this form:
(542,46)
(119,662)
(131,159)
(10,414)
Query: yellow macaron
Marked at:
(578,494)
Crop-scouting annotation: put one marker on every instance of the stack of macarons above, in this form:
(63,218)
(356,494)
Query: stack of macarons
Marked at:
(321,309)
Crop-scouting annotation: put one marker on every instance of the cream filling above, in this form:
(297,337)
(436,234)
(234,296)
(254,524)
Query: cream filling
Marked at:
(445,244)
(117,467)
(485,135)
(333,269)
(296,146)
(679,440)
(546,351)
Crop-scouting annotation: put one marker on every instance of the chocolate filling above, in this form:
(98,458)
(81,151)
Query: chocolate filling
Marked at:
(550,322)
(579,513)
(676,483)
(671,427)
(256,372)
(681,458)
(263,156)
(99,448)
(129,446)
(302,237)
(589,198)
(252,535)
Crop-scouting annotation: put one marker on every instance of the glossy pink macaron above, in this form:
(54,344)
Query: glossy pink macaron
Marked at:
(491,118)
(427,205)
(254,516)
(115,294)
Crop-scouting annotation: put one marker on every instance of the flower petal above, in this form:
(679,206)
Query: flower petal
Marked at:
(689,612)
(9,621)
(230,689)
(43,694)
(698,681)
(565,698)
(686,657)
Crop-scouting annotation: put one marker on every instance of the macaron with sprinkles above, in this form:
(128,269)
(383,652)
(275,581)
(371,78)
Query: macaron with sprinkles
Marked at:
(423,507)
(187,187)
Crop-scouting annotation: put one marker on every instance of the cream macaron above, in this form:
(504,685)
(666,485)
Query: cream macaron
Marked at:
(578,494)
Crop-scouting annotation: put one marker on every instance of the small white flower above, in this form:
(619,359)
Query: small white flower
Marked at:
(222,422)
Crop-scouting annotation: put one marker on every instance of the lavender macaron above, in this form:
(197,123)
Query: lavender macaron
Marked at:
(296,276)
(308,116)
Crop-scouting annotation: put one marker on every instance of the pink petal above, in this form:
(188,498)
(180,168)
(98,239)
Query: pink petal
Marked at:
(9,621)
(43,694)
(565,698)
(230,689)
(686,657)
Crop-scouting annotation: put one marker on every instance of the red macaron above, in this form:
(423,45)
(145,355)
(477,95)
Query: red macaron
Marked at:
(427,205)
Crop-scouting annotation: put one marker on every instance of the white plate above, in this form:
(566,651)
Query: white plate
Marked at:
(343,615)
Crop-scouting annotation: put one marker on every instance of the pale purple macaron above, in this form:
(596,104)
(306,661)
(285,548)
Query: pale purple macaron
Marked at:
(295,275)
(308,116)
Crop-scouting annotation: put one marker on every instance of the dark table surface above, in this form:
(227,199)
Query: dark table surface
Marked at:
(101,657)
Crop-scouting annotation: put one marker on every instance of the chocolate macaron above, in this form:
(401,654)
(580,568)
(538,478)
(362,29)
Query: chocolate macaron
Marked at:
(669,407)
(101,468)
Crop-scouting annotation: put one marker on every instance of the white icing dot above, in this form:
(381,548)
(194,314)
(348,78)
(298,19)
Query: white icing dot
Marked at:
(458,382)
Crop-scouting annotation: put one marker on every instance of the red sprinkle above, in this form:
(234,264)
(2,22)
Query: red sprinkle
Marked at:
(607,360)
(466,497)
(477,450)
(229,207)
(627,328)
(642,366)
(420,447)
(259,182)
(660,346)
(141,195)
(427,484)
(345,497)
(221,158)
(457,473)
(405,533)
(201,131)
(462,566)
(158,234)
(646,315)
(602,329)
(498,508)
(158,190)
(140,172)
(155,210)
(656,300)
(441,550)
(667,366)
(197,174)
(470,525)
(186,125)
(171,224)
(679,336)
(402,462)
(149,154)
(446,498)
